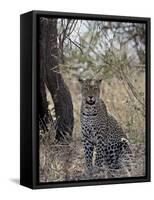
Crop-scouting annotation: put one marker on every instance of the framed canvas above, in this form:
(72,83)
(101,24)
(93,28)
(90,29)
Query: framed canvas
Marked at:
(85,99)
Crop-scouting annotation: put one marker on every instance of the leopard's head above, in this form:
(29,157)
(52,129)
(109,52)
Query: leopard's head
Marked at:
(90,89)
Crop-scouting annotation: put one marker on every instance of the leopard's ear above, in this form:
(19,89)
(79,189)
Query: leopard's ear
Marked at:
(98,81)
(81,80)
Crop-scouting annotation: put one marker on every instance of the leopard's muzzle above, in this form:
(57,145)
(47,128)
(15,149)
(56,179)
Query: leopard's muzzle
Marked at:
(90,100)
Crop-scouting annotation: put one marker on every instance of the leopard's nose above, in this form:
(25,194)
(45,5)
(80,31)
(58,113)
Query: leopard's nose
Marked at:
(91,98)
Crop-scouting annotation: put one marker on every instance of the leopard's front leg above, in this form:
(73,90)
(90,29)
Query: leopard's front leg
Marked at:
(100,152)
(88,150)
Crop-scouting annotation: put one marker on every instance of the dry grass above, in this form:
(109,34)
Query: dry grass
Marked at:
(66,162)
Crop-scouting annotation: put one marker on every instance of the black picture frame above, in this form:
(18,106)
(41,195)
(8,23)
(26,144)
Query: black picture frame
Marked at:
(29,160)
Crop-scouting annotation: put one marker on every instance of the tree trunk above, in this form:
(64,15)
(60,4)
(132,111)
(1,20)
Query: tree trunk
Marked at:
(51,76)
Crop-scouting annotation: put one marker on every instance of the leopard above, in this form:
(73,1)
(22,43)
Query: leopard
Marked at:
(102,135)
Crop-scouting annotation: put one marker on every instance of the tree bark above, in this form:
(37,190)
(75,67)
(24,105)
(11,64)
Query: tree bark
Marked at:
(50,75)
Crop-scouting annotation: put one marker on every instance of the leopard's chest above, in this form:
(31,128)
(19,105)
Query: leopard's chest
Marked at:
(90,126)
(89,122)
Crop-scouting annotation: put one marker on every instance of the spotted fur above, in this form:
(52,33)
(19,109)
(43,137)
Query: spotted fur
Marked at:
(100,131)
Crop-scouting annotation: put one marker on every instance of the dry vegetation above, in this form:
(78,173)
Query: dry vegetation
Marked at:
(66,162)
(116,52)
